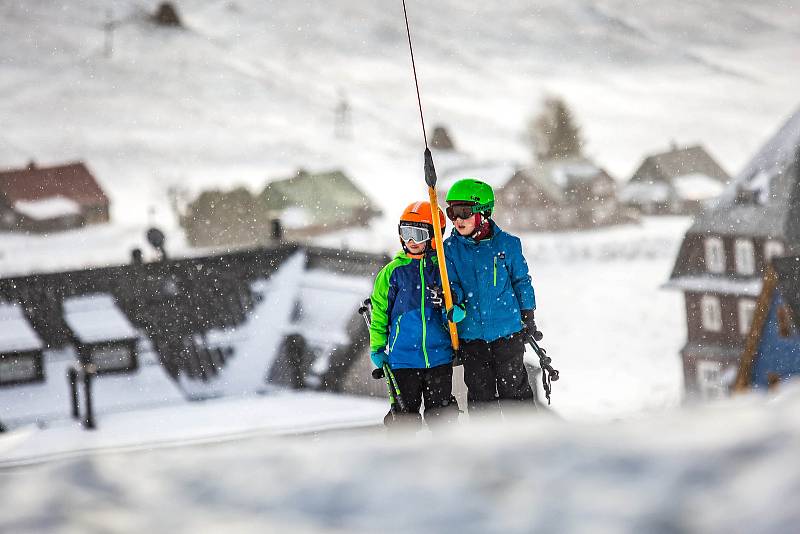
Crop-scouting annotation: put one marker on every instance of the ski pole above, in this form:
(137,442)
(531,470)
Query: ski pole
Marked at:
(395,397)
(392,399)
(549,374)
(391,383)
(397,394)
(430,179)
(366,311)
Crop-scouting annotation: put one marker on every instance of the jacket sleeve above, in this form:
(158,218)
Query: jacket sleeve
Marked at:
(381,297)
(520,277)
(456,289)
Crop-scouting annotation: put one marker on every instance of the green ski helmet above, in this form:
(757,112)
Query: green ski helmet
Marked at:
(473,191)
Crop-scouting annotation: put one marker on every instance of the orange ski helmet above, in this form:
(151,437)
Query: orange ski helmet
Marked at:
(418,215)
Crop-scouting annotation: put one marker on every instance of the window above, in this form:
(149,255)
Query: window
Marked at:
(747,308)
(715,255)
(711,313)
(113,358)
(744,257)
(15,368)
(709,379)
(772,249)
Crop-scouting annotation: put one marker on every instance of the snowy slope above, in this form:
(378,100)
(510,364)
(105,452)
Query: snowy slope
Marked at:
(249,88)
(729,467)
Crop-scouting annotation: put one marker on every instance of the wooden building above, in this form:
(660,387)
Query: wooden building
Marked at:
(45,199)
(772,349)
(314,203)
(724,257)
(307,204)
(678,181)
(554,195)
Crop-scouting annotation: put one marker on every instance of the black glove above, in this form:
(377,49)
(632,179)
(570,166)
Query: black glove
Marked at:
(435,296)
(530,325)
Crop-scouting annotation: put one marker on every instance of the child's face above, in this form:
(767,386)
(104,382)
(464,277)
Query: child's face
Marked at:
(414,247)
(466,226)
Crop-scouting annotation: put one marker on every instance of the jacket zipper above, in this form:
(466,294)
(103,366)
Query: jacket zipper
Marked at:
(495,271)
(396,333)
(422,310)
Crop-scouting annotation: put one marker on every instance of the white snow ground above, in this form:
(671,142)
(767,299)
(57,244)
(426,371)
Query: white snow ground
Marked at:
(184,423)
(728,467)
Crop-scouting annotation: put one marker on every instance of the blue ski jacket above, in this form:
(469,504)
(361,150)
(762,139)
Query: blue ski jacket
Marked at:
(404,319)
(491,279)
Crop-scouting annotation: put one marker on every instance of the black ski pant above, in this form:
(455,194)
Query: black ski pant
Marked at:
(495,374)
(435,387)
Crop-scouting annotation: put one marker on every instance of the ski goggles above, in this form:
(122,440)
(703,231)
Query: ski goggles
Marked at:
(414,233)
(460,211)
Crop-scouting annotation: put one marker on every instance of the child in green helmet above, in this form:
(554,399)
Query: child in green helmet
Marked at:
(489,276)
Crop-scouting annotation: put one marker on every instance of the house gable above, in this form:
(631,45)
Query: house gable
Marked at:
(327,198)
(72,181)
(52,198)
(669,165)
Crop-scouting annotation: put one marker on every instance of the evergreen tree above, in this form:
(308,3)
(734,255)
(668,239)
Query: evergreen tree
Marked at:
(553,133)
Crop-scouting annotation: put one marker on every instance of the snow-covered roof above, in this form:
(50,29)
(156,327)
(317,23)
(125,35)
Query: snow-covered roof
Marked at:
(71,180)
(295,217)
(567,172)
(47,208)
(697,186)
(316,303)
(495,173)
(95,318)
(641,192)
(754,220)
(447,160)
(771,160)
(666,166)
(714,284)
(328,302)
(769,179)
(256,342)
(16,333)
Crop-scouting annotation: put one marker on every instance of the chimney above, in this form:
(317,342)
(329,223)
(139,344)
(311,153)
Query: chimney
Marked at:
(136,256)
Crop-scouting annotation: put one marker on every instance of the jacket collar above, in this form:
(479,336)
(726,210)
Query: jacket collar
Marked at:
(468,240)
(428,254)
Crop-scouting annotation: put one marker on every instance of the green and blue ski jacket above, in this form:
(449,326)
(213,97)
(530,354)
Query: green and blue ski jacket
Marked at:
(404,320)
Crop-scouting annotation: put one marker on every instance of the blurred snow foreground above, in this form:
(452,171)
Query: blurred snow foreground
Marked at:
(726,467)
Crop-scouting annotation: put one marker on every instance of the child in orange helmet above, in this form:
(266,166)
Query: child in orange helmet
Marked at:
(409,329)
